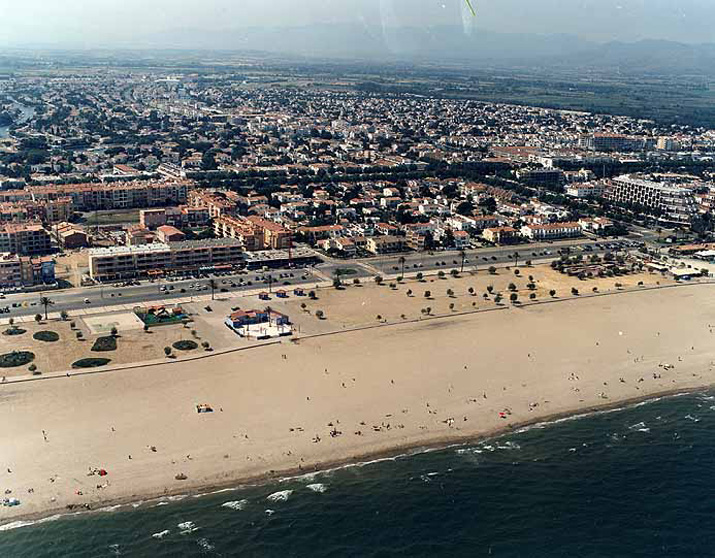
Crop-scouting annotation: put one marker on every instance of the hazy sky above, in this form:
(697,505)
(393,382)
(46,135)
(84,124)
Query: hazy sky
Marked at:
(109,22)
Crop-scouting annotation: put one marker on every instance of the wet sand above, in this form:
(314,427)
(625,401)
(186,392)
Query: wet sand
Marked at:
(303,406)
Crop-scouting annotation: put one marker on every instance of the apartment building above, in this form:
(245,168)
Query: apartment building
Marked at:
(120,195)
(183,216)
(500,235)
(386,244)
(25,239)
(676,204)
(24,271)
(552,231)
(217,204)
(127,262)
(240,229)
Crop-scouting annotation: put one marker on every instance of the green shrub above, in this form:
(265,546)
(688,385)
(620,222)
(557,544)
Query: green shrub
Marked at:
(46,336)
(16,358)
(91,363)
(105,345)
(185,345)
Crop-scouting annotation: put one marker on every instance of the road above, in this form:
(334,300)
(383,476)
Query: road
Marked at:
(147,292)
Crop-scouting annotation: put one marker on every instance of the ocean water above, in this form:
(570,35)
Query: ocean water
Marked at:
(627,483)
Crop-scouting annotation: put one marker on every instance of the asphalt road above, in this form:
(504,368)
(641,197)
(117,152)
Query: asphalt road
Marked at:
(147,292)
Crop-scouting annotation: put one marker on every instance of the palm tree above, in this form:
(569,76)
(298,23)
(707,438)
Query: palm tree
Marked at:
(213,285)
(337,283)
(44,301)
(463,255)
(516,259)
(402,262)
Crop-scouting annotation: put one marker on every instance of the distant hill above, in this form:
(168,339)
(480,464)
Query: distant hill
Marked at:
(447,44)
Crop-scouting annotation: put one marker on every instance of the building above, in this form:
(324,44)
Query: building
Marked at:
(128,262)
(500,235)
(217,203)
(240,229)
(117,195)
(583,191)
(386,244)
(672,203)
(552,231)
(25,239)
(242,318)
(180,217)
(541,176)
(70,236)
(611,142)
(275,236)
(24,271)
(167,233)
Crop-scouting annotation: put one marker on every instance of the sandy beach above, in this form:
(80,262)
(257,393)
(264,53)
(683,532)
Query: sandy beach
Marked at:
(304,404)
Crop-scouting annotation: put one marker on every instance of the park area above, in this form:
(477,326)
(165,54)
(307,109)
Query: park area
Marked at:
(92,341)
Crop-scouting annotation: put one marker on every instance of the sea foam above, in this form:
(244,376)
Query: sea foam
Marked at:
(281,496)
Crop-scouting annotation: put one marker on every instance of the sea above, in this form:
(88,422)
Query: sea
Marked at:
(632,482)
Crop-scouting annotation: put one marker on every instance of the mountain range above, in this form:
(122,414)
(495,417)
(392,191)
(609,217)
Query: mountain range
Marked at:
(447,44)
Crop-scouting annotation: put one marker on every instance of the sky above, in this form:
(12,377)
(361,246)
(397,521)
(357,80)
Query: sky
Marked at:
(111,22)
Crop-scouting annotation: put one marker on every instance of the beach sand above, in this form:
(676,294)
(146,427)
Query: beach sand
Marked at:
(301,406)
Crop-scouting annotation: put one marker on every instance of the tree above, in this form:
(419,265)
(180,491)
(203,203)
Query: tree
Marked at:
(574,291)
(552,293)
(356,281)
(38,318)
(402,262)
(167,351)
(463,256)
(450,293)
(44,301)
(80,335)
(320,314)
(428,294)
(470,290)
(512,287)
(409,292)
(114,332)
(454,273)
(206,345)
(516,259)
(514,298)
(498,298)
(441,274)
(378,279)
(492,270)
(146,328)
(213,286)
(420,276)
(531,286)
(490,289)
(532,296)
(64,315)
(337,282)
(428,310)
(486,296)
(451,306)
(378,318)
(12,322)
(32,368)
(312,295)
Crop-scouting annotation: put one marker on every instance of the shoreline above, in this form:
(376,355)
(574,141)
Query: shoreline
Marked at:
(342,398)
(428,446)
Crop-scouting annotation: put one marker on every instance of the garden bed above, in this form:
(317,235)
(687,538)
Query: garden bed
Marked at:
(46,336)
(105,344)
(14,330)
(91,363)
(16,358)
(186,345)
